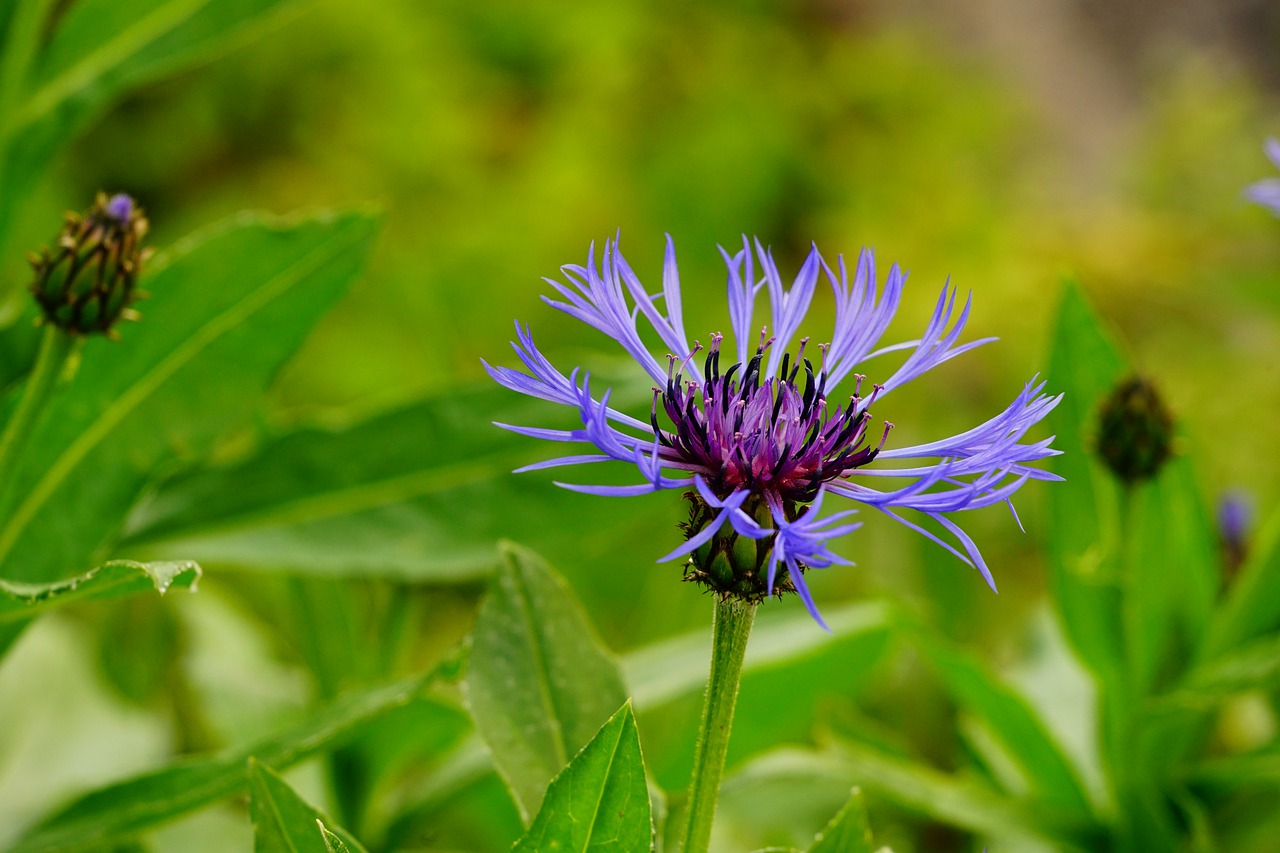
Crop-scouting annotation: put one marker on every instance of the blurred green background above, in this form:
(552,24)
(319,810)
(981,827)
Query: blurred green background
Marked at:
(1000,145)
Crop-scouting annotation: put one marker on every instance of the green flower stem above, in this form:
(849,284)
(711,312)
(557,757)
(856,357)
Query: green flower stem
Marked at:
(730,628)
(55,346)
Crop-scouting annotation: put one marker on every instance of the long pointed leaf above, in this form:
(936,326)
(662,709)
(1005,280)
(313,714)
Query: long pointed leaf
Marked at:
(1083,364)
(539,684)
(849,831)
(600,801)
(22,602)
(422,493)
(283,822)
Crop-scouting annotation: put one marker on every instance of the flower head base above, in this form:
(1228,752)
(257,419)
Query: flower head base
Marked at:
(87,283)
(756,431)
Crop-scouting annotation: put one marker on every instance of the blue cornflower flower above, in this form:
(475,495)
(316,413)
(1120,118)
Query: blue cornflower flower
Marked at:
(1267,191)
(752,437)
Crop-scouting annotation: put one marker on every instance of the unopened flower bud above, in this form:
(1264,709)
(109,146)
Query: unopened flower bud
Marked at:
(1135,431)
(87,282)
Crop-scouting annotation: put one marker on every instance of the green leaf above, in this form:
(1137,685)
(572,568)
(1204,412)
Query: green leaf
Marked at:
(22,602)
(1251,666)
(1252,605)
(1083,365)
(1007,717)
(958,801)
(121,811)
(785,794)
(99,51)
(600,801)
(539,683)
(1221,776)
(229,307)
(848,832)
(285,823)
(422,493)
(332,843)
(662,674)
(1171,576)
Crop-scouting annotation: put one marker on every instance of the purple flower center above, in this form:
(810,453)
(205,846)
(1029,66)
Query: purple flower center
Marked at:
(772,436)
(120,207)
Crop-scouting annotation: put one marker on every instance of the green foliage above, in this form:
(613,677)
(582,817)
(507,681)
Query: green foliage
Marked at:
(117,813)
(244,293)
(848,832)
(417,494)
(600,800)
(1006,718)
(538,684)
(285,823)
(22,602)
(353,547)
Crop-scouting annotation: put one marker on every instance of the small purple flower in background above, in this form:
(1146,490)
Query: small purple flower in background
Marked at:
(120,207)
(756,433)
(1235,521)
(1267,192)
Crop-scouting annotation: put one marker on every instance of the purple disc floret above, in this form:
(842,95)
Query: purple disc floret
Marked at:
(757,432)
(120,207)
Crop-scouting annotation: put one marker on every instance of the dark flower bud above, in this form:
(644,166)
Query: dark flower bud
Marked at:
(1135,431)
(87,282)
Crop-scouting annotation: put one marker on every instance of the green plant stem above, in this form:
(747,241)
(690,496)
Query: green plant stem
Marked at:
(55,346)
(730,628)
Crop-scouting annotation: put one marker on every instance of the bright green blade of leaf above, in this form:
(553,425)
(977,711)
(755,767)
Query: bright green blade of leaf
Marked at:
(119,812)
(539,683)
(1083,365)
(332,842)
(283,822)
(1252,605)
(99,51)
(1007,717)
(22,602)
(1171,575)
(848,832)
(962,802)
(421,493)
(229,307)
(600,801)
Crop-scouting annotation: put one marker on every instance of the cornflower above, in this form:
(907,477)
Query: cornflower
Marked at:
(757,435)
